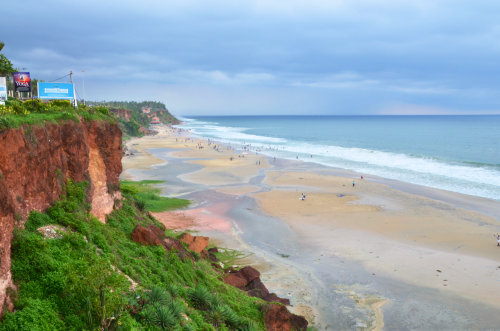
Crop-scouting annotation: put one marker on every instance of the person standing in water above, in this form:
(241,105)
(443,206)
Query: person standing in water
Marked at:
(353,183)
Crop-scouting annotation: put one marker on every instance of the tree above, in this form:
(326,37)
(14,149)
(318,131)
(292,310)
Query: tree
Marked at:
(6,67)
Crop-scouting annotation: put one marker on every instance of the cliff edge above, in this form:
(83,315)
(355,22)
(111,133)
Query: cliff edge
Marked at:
(34,164)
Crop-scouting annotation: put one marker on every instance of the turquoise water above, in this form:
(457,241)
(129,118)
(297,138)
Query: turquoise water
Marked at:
(454,153)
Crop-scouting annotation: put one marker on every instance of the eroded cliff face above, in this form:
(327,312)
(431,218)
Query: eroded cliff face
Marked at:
(124,114)
(34,163)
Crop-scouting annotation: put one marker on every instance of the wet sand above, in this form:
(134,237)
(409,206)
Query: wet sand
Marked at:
(363,261)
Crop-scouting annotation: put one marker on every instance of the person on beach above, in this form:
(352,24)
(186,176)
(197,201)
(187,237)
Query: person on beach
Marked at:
(498,238)
(353,183)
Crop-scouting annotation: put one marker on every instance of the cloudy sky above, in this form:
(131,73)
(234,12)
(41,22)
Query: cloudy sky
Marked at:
(267,57)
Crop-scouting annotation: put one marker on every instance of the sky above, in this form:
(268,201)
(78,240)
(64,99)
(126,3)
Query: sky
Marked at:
(352,57)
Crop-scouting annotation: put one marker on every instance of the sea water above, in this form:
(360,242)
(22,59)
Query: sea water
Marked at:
(454,153)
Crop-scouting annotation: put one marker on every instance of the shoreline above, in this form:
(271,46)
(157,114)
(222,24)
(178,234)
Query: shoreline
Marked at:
(209,176)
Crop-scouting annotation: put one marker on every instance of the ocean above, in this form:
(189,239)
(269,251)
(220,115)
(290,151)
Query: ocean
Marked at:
(454,153)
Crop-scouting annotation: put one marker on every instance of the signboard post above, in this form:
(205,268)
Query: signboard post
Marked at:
(22,82)
(56,91)
(3,90)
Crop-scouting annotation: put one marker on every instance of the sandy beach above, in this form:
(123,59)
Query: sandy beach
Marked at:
(369,257)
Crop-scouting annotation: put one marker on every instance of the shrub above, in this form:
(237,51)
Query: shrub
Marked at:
(60,103)
(140,203)
(102,110)
(200,297)
(36,106)
(158,295)
(160,316)
(36,315)
(129,189)
(18,107)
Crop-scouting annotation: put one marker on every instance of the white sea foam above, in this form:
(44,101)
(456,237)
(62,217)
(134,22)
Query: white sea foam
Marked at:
(481,181)
(227,133)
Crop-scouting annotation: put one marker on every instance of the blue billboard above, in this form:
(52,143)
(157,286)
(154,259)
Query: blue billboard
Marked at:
(56,91)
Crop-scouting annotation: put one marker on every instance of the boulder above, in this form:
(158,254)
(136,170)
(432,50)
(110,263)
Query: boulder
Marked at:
(196,244)
(298,322)
(232,280)
(258,289)
(278,318)
(146,236)
(171,243)
(212,257)
(213,250)
(248,274)
(199,244)
(187,238)
(255,293)
(157,231)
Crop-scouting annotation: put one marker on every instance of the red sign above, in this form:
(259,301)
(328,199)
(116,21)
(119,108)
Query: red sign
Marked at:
(22,82)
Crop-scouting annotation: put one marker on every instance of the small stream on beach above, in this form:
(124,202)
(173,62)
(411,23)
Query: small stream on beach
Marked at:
(343,294)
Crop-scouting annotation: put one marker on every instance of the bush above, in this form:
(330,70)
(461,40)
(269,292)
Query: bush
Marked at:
(36,106)
(129,189)
(60,103)
(102,110)
(36,315)
(18,107)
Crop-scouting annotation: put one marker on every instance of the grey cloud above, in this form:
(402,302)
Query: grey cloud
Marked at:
(440,54)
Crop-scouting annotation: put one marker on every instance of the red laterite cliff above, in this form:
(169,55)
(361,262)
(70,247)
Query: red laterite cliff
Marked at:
(34,162)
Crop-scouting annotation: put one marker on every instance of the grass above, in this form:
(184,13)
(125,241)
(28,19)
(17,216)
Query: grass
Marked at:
(67,283)
(10,120)
(230,256)
(150,195)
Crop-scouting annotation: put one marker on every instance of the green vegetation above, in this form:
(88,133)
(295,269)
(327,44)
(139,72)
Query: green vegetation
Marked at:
(5,66)
(165,117)
(129,129)
(130,105)
(78,282)
(230,256)
(35,112)
(148,196)
(138,118)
